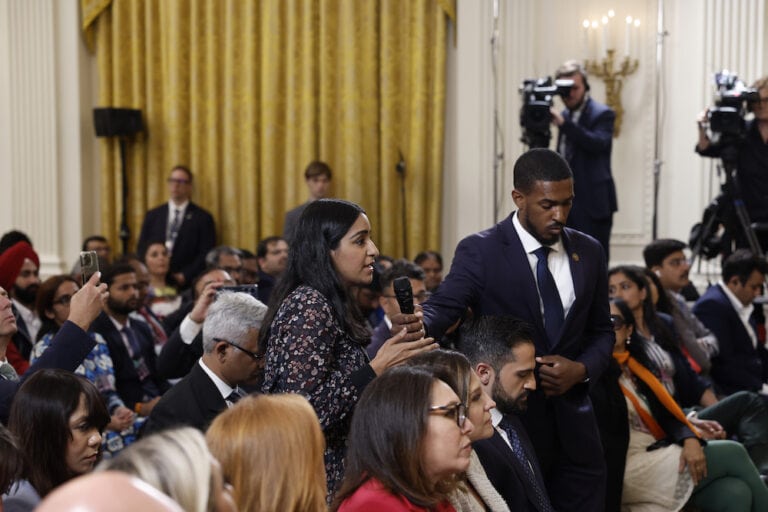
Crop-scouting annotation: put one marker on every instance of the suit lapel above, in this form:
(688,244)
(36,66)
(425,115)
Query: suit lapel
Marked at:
(571,248)
(517,465)
(518,259)
(210,400)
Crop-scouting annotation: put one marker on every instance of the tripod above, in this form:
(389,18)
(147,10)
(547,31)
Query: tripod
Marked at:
(727,209)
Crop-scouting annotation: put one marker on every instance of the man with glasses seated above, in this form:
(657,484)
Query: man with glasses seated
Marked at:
(388,302)
(188,230)
(231,359)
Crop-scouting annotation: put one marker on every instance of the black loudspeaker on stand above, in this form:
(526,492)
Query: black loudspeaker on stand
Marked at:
(120,123)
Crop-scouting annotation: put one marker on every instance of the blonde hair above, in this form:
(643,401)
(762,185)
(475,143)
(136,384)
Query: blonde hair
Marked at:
(176,462)
(271,450)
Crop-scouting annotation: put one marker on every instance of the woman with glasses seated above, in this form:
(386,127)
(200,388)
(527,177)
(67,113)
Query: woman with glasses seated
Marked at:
(477,492)
(667,462)
(53,307)
(408,445)
(315,335)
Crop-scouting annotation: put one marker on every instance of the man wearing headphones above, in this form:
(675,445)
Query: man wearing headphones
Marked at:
(585,140)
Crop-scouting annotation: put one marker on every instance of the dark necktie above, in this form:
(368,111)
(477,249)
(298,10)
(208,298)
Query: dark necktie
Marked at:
(234,396)
(539,492)
(133,342)
(550,297)
(173,232)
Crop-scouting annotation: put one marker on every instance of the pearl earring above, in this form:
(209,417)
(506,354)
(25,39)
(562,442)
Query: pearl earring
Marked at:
(629,340)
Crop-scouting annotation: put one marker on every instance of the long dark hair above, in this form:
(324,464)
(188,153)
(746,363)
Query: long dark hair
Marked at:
(662,334)
(387,435)
(450,366)
(321,227)
(44,303)
(39,419)
(664,304)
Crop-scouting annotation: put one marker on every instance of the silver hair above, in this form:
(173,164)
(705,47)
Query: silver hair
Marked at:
(212,257)
(231,317)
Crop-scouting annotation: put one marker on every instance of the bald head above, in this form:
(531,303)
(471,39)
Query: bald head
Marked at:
(107,490)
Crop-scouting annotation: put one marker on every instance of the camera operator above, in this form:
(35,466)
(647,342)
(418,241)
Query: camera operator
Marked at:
(585,141)
(752,163)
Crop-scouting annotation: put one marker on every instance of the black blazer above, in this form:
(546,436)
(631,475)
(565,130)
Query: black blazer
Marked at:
(194,401)
(176,359)
(127,380)
(197,236)
(506,472)
(67,351)
(23,341)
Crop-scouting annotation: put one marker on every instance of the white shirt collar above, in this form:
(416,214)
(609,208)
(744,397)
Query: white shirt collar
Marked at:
(172,207)
(496,417)
(118,325)
(743,311)
(529,242)
(224,388)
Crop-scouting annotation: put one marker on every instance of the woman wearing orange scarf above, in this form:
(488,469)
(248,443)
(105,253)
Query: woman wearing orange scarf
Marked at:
(667,463)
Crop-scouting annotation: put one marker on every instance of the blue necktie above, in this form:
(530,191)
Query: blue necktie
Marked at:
(550,297)
(541,496)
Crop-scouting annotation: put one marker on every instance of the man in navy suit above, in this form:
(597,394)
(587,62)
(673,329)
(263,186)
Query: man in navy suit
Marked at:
(726,309)
(187,229)
(502,354)
(532,267)
(585,139)
(130,342)
(230,345)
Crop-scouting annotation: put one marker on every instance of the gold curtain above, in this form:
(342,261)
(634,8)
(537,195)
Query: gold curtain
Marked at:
(246,93)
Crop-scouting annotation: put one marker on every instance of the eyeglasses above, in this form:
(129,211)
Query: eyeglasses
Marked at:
(64,300)
(458,411)
(617,322)
(252,355)
(178,181)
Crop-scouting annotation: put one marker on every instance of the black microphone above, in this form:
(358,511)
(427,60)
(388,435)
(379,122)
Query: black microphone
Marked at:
(404,294)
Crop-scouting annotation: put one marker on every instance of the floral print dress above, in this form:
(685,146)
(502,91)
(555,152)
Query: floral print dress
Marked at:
(309,353)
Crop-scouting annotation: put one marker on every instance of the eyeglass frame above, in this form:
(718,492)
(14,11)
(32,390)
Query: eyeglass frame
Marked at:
(621,321)
(64,300)
(252,355)
(459,410)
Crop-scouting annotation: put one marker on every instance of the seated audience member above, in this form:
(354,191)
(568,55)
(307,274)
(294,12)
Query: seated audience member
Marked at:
(11,238)
(271,451)
(272,254)
(177,462)
(388,301)
(432,263)
(668,261)
(249,274)
(226,258)
(185,343)
(71,344)
(107,490)
(740,414)
(19,275)
(502,354)
(53,301)
(453,368)
(318,177)
(230,359)
(98,244)
(408,442)
(715,476)
(144,314)
(726,308)
(130,343)
(57,419)
(187,229)
(162,296)
(11,462)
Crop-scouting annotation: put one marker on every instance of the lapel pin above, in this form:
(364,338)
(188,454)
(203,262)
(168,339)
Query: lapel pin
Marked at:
(575,257)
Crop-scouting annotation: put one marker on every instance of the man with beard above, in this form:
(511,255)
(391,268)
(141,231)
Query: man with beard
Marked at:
(532,267)
(19,267)
(503,356)
(130,343)
(230,348)
(272,255)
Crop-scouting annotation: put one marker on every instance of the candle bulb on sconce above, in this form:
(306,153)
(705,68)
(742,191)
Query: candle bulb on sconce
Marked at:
(606,67)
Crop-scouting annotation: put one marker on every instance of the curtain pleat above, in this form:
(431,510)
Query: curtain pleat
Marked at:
(247,93)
